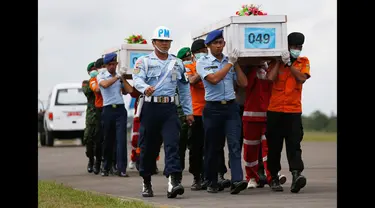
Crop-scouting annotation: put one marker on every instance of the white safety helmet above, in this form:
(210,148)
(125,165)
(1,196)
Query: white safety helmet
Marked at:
(161,33)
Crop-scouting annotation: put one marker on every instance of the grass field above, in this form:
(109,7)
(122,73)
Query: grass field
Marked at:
(54,195)
(320,136)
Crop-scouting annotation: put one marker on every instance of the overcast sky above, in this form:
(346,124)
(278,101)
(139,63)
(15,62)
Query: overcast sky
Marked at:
(74,33)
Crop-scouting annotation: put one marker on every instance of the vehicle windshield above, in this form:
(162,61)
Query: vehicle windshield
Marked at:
(70,96)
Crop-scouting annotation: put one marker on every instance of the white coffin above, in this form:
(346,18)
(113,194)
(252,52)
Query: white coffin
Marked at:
(254,36)
(129,54)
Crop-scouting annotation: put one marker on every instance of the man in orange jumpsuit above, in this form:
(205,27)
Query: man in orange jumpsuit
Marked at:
(258,93)
(285,111)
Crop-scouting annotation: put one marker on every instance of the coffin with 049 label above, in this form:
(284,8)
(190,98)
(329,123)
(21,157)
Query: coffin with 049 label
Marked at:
(254,36)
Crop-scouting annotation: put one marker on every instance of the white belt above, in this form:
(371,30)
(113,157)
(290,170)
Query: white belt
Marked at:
(159,99)
(254,114)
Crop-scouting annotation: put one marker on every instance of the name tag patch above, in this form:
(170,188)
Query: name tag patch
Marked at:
(210,67)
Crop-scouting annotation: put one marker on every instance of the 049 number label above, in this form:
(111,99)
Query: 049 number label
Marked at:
(262,38)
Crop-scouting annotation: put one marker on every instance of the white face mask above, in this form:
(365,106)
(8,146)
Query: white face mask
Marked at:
(187,62)
(295,53)
(161,51)
(199,55)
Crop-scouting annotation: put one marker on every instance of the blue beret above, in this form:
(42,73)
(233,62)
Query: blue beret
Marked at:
(213,35)
(110,57)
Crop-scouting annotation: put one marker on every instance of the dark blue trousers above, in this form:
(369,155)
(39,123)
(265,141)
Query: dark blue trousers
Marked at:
(220,121)
(159,119)
(114,130)
(140,142)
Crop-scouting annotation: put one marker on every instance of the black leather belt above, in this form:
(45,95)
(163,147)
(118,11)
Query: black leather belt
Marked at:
(222,102)
(115,106)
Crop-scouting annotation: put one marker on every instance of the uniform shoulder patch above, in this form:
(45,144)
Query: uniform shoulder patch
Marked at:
(136,70)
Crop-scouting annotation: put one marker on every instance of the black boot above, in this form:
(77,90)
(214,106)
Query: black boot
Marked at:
(174,185)
(147,187)
(104,171)
(90,165)
(114,170)
(213,187)
(299,181)
(97,167)
(196,183)
(275,184)
(237,187)
(223,183)
(204,184)
(262,180)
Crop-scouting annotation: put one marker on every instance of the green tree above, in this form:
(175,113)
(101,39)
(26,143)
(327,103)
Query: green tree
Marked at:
(319,121)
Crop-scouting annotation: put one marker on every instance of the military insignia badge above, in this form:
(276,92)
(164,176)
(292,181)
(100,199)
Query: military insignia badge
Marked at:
(136,71)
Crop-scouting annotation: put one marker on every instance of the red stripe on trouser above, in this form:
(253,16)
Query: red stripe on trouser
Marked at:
(264,155)
(253,132)
(136,126)
(134,155)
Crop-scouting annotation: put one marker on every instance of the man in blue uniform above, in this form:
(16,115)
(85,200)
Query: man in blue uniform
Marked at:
(114,115)
(156,76)
(221,116)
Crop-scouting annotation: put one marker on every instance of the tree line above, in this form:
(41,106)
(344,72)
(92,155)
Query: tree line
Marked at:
(318,121)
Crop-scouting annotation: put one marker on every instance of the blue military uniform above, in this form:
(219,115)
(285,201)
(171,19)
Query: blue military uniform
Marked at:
(114,118)
(159,114)
(221,119)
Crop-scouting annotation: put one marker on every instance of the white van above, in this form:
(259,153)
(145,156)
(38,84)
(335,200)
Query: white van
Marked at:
(65,113)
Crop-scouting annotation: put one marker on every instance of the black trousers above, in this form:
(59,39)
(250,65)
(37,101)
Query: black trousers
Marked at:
(195,146)
(192,138)
(282,126)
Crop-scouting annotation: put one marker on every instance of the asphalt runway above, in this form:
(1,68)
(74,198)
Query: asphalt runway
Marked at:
(66,163)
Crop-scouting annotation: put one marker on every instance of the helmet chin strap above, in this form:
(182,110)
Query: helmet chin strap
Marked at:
(161,51)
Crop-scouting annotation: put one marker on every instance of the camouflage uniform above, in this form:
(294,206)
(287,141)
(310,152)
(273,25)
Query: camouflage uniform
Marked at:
(91,129)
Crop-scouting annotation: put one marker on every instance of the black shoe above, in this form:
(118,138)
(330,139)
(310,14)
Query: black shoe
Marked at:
(90,166)
(204,184)
(114,170)
(147,190)
(299,181)
(275,184)
(122,174)
(196,184)
(104,173)
(212,189)
(223,183)
(174,185)
(262,181)
(97,167)
(237,187)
